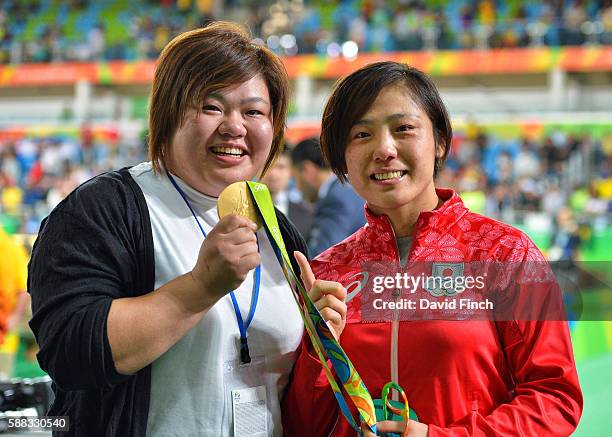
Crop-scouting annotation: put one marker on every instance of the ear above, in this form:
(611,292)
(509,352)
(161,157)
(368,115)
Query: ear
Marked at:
(439,150)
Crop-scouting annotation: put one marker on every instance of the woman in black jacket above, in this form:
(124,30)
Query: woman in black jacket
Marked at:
(132,274)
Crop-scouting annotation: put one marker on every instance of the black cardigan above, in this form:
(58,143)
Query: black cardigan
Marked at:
(96,246)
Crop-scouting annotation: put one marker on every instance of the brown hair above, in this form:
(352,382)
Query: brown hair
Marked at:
(353,95)
(205,60)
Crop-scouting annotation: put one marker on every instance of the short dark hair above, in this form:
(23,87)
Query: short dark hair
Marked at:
(353,95)
(308,150)
(205,60)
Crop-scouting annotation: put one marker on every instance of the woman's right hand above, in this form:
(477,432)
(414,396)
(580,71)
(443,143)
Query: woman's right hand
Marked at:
(415,429)
(164,316)
(226,256)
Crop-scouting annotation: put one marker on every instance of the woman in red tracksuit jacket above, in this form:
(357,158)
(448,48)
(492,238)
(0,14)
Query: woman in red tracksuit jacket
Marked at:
(386,128)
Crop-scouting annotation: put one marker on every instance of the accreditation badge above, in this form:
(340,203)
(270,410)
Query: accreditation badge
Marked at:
(247,394)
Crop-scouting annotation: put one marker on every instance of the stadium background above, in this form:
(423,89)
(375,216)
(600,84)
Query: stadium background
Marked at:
(528,86)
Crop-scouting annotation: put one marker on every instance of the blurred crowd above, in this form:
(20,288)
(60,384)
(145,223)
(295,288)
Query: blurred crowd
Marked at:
(37,173)
(530,175)
(502,179)
(559,186)
(84,30)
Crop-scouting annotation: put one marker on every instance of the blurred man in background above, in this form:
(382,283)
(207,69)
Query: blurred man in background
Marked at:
(277,180)
(338,209)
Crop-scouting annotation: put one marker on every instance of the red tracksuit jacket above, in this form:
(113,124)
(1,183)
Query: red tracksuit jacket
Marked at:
(457,377)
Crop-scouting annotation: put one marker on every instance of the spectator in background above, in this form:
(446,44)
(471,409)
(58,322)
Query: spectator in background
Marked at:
(13,273)
(595,206)
(529,195)
(504,167)
(553,201)
(277,179)
(526,163)
(11,196)
(9,165)
(548,156)
(338,209)
(468,152)
(500,205)
(565,240)
(482,143)
(373,25)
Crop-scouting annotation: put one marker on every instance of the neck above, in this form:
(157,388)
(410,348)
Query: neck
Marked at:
(405,217)
(193,183)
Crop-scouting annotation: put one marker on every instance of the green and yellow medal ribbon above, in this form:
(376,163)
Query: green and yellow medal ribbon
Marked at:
(323,341)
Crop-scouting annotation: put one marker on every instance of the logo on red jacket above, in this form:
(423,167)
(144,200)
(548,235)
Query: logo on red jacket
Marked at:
(446,274)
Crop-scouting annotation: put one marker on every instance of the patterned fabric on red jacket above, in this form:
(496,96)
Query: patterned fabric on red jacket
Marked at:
(455,373)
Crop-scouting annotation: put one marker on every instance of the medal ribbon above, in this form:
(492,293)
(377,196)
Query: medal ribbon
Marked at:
(323,341)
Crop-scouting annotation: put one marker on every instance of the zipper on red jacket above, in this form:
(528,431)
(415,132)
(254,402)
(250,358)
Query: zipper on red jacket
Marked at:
(394,358)
(395,345)
(394,349)
(331,432)
(474,407)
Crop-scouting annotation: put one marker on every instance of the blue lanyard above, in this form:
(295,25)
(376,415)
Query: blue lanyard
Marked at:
(245,356)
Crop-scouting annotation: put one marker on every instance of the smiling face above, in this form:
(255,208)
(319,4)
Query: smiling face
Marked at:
(228,140)
(390,154)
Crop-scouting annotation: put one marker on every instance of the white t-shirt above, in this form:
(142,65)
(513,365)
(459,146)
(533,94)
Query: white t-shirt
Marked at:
(191,382)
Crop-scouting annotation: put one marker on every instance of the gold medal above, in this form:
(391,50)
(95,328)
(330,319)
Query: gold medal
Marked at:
(236,199)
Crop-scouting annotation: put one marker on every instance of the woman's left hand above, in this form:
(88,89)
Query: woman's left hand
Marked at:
(328,296)
(416,429)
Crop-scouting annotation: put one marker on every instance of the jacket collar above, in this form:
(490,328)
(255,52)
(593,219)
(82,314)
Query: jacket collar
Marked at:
(440,219)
